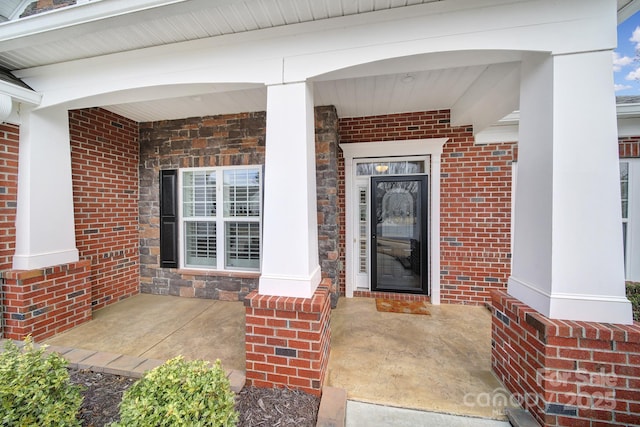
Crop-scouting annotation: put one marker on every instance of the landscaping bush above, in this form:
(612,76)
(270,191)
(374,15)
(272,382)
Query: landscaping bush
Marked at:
(35,389)
(633,293)
(180,393)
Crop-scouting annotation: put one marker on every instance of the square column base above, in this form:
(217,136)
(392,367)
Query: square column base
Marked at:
(566,373)
(288,340)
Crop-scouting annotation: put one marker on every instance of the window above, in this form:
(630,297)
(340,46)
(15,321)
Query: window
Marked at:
(624,190)
(630,205)
(220,218)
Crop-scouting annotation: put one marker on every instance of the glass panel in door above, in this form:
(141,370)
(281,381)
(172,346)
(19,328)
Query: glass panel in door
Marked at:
(399,234)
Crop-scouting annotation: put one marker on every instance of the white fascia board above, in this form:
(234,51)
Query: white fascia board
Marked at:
(628,110)
(84,18)
(627,10)
(628,126)
(448,26)
(74,15)
(506,130)
(20,94)
(18,10)
(497,134)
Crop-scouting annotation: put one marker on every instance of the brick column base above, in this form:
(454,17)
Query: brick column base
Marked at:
(288,340)
(42,303)
(566,373)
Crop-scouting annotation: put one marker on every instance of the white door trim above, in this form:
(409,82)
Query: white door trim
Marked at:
(414,147)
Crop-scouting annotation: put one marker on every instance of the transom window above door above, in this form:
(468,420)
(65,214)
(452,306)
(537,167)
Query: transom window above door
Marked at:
(392,167)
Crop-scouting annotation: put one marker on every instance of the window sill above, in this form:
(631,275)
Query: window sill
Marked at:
(219,273)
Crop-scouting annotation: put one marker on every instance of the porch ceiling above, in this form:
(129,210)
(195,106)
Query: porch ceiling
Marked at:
(101,27)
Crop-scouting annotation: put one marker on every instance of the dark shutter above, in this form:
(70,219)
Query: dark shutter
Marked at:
(169,218)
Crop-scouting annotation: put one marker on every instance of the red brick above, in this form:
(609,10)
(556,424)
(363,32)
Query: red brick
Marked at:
(627,419)
(278,360)
(602,383)
(60,312)
(609,357)
(595,344)
(298,382)
(284,370)
(625,370)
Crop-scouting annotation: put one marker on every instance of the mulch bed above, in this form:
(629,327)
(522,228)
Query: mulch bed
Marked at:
(256,406)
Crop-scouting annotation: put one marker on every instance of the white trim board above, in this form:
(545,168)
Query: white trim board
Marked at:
(405,148)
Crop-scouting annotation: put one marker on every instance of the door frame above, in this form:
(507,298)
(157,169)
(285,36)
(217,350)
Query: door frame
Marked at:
(402,148)
(423,216)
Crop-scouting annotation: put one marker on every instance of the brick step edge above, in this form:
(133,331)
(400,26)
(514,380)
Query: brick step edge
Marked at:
(118,364)
(333,407)
(520,418)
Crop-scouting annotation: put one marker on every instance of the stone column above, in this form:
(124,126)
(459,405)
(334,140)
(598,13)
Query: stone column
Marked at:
(45,229)
(568,255)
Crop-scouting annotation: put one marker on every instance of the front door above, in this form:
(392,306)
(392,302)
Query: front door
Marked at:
(399,234)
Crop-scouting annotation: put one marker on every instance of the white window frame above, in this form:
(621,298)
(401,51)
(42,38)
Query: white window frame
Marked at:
(632,266)
(219,219)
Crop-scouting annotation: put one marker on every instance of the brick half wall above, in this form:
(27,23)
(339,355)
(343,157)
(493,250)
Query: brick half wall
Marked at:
(288,340)
(45,302)
(566,373)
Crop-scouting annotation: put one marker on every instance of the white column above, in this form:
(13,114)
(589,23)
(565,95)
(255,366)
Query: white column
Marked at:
(45,230)
(568,255)
(290,264)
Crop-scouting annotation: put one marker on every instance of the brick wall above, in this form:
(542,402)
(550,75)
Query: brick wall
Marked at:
(9,135)
(288,340)
(475,200)
(566,373)
(44,302)
(104,157)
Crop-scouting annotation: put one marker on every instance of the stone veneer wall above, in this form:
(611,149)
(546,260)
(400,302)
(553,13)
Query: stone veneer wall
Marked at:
(328,199)
(566,373)
(224,140)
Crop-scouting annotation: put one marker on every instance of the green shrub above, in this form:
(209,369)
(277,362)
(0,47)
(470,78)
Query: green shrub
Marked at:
(35,389)
(633,293)
(180,393)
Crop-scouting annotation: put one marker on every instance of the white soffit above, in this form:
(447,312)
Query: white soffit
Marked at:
(102,27)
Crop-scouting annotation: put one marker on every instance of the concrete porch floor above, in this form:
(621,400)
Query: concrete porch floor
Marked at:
(162,327)
(438,363)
